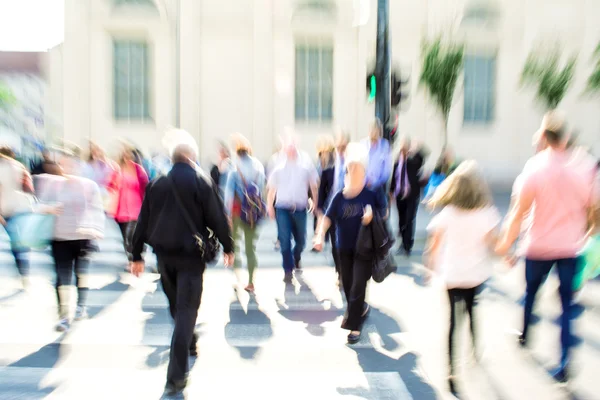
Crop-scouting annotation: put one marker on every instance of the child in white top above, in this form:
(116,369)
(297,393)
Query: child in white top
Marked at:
(460,239)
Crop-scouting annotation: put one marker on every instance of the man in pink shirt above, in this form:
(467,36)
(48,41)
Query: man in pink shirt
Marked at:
(555,191)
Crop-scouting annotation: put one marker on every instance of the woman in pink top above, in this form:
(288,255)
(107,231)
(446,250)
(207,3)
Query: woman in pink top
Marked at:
(128,185)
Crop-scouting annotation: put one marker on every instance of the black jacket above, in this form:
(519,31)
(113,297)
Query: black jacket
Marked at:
(414,164)
(374,240)
(325,187)
(161,223)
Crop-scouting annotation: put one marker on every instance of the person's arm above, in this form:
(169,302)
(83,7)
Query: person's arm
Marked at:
(512,228)
(430,255)
(229,193)
(142,178)
(386,170)
(322,190)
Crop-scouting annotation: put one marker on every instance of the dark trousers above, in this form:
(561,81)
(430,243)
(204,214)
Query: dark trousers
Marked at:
(536,272)
(334,250)
(291,224)
(462,302)
(355,275)
(407,216)
(181,279)
(19,254)
(127,229)
(70,256)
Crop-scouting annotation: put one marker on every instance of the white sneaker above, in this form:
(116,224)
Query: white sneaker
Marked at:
(81,313)
(63,325)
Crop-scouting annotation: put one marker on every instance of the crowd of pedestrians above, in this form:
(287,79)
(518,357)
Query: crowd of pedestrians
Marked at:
(188,217)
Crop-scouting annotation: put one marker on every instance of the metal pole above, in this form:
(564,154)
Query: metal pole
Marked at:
(382,68)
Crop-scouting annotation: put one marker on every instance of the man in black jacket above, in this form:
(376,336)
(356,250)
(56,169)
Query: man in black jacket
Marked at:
(163,226)
(406,189)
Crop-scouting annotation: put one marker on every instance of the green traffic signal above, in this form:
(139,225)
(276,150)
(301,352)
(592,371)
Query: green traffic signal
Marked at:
(373,88)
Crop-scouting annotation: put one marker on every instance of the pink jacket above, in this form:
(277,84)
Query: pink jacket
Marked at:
(129,194)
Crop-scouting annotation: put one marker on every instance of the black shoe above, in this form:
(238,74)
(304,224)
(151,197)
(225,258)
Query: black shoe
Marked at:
(522,341)
(353,339)
(194,346)
(175,388)
(560,375)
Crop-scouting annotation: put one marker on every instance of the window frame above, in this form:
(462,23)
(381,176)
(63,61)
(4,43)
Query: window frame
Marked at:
(147,85)
(469,116)
(323,46)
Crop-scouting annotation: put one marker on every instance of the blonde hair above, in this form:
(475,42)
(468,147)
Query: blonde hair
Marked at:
(241,143)
(325,144)
(465,188)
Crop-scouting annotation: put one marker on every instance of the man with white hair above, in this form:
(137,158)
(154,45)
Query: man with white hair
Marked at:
(179,211)
(287,202)
(556,194)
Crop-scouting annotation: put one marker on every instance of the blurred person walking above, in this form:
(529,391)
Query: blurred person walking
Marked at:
(244,203)
(127,186)
(14,200)
(177,213)
(287,203)
(325,166)
(379,166)
(220,171)
(348,209)
(405,189)
(80,219)
(100,169)
(460,239)
(556,195)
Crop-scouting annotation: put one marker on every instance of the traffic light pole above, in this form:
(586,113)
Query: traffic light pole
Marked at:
(382,67)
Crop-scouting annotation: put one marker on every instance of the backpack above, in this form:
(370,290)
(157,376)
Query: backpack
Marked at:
(253,207)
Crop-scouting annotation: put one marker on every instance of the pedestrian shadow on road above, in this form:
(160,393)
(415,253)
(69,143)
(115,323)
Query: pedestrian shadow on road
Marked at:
(416,274)
(372,360)
(47,357)
(252,322)
(304,306)
(115,286)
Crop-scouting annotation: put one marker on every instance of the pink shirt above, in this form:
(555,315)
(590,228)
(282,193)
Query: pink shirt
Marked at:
(131,188)
(561,187)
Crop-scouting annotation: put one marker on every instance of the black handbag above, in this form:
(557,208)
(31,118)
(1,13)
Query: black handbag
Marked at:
(208,245)
(383,267)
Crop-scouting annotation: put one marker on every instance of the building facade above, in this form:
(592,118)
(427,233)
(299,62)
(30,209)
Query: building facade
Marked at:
(132,68)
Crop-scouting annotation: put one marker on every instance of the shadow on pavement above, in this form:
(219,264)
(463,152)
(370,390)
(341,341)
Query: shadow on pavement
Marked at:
(371,360)
(261,330)
(46,357)
(314,318)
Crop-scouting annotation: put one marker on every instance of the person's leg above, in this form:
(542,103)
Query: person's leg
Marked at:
(250,235)
(61,255)
(81,264)
(471,301)
(361,273)
(168,280)
(19,254)
(284,233)
(536,273)
(299,232)
(401,206)
(189,293)
(130,229)
(346,268)
(408,236)
(455,300)
(566,273)
(334,250)
(236,228)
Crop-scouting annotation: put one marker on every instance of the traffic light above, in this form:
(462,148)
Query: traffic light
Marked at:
(371,87)
(399,89)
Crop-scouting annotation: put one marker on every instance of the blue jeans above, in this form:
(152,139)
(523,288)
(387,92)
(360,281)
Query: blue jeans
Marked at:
(20,254)
(291,223)
(536,272)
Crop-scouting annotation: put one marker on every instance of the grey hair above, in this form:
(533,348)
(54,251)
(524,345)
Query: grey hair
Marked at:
(183,153)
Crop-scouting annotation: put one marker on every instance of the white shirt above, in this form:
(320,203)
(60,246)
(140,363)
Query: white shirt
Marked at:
(464,254)
(12,198)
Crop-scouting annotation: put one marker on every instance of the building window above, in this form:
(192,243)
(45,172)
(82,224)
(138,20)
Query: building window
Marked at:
(480,88)
(314,83)
(131,80)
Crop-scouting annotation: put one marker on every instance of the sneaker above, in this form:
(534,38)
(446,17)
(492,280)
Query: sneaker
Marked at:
(63,325)
(81,313)
(522,342)
(354,337)
(560,375)
(176,388)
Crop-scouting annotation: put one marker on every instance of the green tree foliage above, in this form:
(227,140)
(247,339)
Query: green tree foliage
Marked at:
(594,79)
(7,98)
(442,66)
(551,79)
